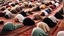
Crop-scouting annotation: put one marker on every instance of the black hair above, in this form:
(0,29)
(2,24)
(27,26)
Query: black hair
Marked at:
(42,14)
(2,9)
(23,13)
(13,5)
(1,22)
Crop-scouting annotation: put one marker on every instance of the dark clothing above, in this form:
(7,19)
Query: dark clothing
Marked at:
(18,9)
(49,22)
(52,6)
(13,5)
(61,11)
(48,11)
(6,16)
(36,8)
(58,15)
(1,22)
(30,6)
(37,17)
(2,14)
(14,11)
(28,22)
(23,13)
(42,14)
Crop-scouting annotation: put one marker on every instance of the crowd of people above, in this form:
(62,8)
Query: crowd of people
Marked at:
(28,11)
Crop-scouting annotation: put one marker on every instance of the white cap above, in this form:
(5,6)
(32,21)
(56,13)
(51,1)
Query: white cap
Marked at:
(60,33)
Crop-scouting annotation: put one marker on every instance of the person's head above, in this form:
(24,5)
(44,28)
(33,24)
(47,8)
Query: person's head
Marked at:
(60,33)
(23,13)
(43,3)
(18,9)
(16,3)
(43,26)
(9,8)
(16,20)
(3,8)
(37,8)
(38,32)
(47,4)
(42,14)
(50,3)
(1,22)
(43,6)
(37,17)
(53,2)
(14,11)
(13,5)
(29,12)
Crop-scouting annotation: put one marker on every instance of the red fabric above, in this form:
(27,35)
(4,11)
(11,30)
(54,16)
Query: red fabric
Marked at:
(52,7)
(8,6)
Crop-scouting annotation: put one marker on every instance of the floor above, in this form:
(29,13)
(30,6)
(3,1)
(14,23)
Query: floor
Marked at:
(26,30)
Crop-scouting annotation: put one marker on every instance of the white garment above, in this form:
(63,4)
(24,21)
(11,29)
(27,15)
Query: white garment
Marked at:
(53,18)
(11,3)
(43,26)
(13,8)
(25,2)
(60,33)
(22,5)
(57,4)
(57,1)
(30,3)
(45,12)
(52,2)
(18,1)
(38,3)
(8,13)
(20,17)
(45,1)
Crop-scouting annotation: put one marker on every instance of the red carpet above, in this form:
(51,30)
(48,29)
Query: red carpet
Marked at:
(26,30)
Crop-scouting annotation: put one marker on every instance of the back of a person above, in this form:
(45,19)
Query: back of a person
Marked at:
(60,33)
(28,22)
(38,32)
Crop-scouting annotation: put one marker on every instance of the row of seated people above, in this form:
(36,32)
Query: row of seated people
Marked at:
(47,23)
(42,28)
(28,21)
(5,11)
